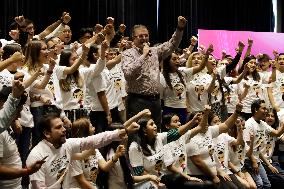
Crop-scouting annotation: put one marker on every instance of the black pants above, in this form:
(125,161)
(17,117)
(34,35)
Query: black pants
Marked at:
(276,180)
(136,103)
(99,120)
(175,181)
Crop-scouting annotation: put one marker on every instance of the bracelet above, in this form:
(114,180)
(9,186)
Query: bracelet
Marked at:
(49,72)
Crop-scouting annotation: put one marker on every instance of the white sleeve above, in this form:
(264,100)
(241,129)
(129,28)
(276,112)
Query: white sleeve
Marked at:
(187,71)
(2,144)
(280,115)
(55,32)
(100,83)
(76,168)
(40,174)
(214,130)
(192,149)
(135,155)
(59,72)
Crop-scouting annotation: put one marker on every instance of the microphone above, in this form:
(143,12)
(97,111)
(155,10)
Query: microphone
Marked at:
(147,44)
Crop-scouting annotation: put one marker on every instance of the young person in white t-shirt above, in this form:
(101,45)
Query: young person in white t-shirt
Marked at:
(238,153)
(222,144)
(148,150)
(11,167)
(69,93)
(173,83)
(58,151)
(84,171)
(201,161)
(197,85)
(251,87)
(259,129)
(273,170)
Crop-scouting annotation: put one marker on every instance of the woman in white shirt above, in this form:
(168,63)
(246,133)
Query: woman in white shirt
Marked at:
(174,86)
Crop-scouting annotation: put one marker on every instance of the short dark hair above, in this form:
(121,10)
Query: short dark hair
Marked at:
(256,105)
(5,91)
(136,27)
(45,123)
(166,120)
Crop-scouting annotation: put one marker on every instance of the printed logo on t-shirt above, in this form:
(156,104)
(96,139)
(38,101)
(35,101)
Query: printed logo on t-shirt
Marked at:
(117,84)
(199,90)
(179,89)
(5,81)
(182,163)
(256,89)
(211,151)
(78,94)
(50,87)
(240,154)
(59,166)
(215,92)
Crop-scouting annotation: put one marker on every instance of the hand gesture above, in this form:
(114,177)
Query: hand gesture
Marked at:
(196,118)
(273,169)
(224,53)
(194,179)
(201,49)
(239,107)
(154,178)
(36,166)
(67,123)
(250,42)
(241,46)
(20,20)
(51,64)
(17,89)
(207,108)
(255,167)
(193,40)
(225,176)
(209,49)
(246,68)
(120,151)
(110,20)
(181,22)
(122,28)
(104,46)
(17,127)
(276,54)
(133,128)
(65,18)
(146,49)
(85,49)
(45,100)
(216,180)
(145,112)
(98,28)
(17,57)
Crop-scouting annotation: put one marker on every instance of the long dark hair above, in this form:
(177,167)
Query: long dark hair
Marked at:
(255,74)
(65,84)
(140,137)
(167,70)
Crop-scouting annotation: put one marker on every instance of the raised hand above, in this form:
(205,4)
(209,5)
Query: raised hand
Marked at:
(193,40)
(17,89)
(133,128)
(65,18)
(209,49)
(36,166)
(20,20)
(181,22)
(120,151)
(250,42)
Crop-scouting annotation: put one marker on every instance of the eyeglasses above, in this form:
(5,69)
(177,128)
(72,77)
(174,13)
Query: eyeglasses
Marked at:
(141,36)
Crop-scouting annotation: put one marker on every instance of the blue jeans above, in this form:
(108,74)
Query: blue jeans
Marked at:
(277,180)
(261,180)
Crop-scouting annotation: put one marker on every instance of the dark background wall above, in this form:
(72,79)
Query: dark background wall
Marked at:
(249,15)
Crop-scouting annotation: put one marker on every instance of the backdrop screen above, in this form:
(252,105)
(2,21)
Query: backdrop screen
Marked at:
(263,42)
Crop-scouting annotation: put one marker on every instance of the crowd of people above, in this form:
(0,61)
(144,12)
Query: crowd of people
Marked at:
(111,111)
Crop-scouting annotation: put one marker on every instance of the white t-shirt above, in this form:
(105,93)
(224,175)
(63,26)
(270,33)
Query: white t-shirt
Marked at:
(255,92)
(278,89)
(155,164)
(54,172)
(119,84)
(10,157)
(92,82)
(237,157)
(177,151)
(89,167)
(202,144)
(197,91)
(47,92)
(216,95)
(6,78)
(269,147)
(231,98)
(222,144)
(259,130)
(69,100)
(175,97)
(115,174)
(111,93)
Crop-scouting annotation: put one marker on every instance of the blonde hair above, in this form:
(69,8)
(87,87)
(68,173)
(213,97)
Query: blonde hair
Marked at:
(189,60)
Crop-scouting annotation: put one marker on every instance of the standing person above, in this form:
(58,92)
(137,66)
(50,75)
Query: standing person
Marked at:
(140,65)
(58,151)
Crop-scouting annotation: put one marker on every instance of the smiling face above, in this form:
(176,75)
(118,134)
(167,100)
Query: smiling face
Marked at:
(270,118)
(252,65)
(43,54)
(281,62)
(196,60)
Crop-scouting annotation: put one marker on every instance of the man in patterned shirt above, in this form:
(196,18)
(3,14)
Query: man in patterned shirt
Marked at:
(140,65)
